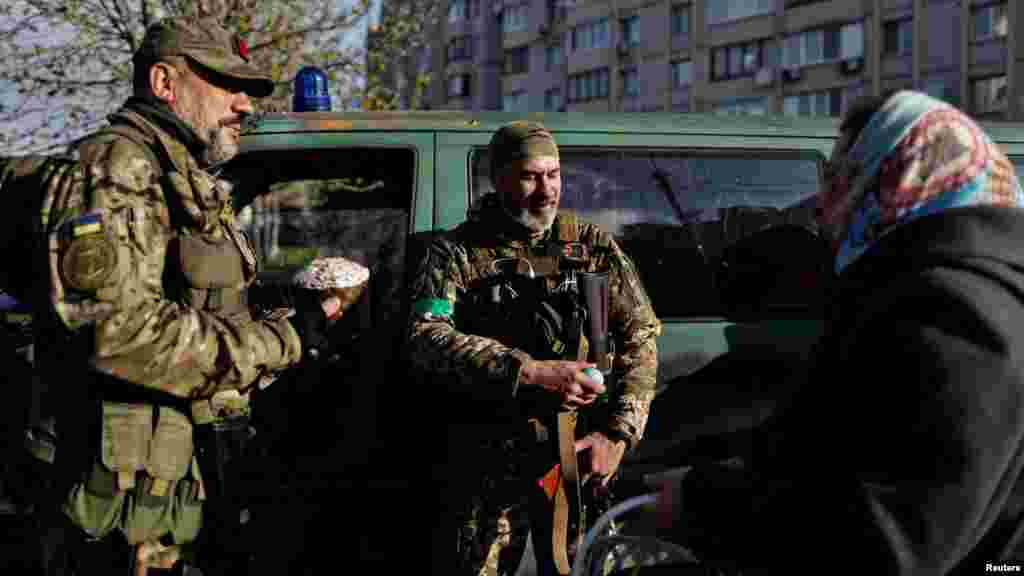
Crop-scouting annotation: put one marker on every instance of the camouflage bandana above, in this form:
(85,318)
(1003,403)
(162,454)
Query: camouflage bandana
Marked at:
(206,43)
(520,139)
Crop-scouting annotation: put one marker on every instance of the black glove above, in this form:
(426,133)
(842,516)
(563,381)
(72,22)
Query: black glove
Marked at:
(309,320)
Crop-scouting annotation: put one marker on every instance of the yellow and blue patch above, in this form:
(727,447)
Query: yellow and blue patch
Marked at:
(86,224)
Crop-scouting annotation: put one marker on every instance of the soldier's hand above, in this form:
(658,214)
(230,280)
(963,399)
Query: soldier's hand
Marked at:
(152,554)
(562,377)
(312,318)
(601,456)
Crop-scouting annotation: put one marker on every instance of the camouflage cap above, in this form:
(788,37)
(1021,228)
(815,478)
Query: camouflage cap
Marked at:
(206,42)
(520,139)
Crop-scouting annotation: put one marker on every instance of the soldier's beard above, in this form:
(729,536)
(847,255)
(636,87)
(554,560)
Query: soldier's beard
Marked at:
(536,221)
(221,144)
(220,140)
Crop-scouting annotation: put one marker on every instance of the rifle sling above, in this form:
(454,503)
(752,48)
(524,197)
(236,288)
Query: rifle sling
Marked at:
(567,499)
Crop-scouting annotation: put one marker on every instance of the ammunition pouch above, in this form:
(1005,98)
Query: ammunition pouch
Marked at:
(140,482)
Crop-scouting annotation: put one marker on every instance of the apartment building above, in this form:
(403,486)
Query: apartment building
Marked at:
(796,57)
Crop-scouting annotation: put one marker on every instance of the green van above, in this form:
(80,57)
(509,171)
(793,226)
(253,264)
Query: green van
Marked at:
(716,211)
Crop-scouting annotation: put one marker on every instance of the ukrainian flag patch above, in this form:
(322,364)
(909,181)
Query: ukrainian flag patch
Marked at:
(87,224)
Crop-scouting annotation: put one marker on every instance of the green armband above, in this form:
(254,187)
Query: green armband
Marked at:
(432,308)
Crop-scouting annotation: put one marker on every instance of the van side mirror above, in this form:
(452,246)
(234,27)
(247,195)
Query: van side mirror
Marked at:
(782,271)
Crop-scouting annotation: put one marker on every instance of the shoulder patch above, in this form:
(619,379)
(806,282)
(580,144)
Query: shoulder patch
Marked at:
(90,257)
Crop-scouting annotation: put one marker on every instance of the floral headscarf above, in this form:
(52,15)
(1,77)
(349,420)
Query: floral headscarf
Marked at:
(916,156)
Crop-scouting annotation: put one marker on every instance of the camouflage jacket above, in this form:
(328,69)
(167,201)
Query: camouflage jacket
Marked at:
(117,271)
(491,368)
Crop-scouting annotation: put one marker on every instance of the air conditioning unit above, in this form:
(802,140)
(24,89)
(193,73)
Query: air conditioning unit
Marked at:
(764,77)
(622,48)
(851,66)
(790,74)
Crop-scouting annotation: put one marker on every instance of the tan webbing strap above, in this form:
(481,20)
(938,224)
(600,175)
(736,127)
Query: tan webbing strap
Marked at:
(567,499)
(568,226)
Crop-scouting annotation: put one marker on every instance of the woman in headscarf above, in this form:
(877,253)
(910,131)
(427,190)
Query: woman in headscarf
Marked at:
(902,453)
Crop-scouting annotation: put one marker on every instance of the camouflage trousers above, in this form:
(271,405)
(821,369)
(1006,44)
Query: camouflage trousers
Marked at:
(490,503)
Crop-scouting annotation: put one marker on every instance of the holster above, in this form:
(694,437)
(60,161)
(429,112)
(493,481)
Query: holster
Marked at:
(220,446)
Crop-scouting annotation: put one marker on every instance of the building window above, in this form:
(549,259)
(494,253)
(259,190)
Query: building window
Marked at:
(851,41)
(423,59)
(514,102)
(514,18)
(552,100)
(590,36)
(721,11)
(461,48)
(898,37)
(680,20)
(741,60)
(989,94)
(552,57)
(459,10)
(989,21)
(459,86)
(823,103)
(823,45)
(935,88)
(589,85)
(742,107)
(682,73)
(631,30)
(517,60)
(558,10)
(630,83)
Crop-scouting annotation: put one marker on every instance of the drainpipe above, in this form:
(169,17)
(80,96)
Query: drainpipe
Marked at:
(917,30)
(965,54)
(876,48)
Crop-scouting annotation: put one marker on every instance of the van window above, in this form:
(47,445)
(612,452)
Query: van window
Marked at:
(675,211)
(296,205)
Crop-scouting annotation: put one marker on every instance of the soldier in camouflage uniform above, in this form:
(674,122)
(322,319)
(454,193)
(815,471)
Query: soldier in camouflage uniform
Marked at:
(146,282)
(487,484)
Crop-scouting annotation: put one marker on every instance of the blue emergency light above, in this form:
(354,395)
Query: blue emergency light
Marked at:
(310,91)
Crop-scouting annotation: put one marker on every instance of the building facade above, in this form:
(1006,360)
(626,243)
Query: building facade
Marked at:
(796,57)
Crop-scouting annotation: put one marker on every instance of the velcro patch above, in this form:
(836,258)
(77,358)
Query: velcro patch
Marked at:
(87,224)
(89,257)
(433,308)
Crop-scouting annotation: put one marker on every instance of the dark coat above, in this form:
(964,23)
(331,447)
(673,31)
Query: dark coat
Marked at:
(902,454)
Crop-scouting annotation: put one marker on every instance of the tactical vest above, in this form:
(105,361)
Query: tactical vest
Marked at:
(147,449)
(529,312)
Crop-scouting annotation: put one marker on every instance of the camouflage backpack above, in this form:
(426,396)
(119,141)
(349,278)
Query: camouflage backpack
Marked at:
(25,183)
(43,193)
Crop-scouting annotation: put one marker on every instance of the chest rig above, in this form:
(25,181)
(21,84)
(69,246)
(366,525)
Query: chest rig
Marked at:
(210,260)
(526,296)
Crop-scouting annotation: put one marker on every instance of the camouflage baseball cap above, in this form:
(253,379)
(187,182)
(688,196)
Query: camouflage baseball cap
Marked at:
(207,43)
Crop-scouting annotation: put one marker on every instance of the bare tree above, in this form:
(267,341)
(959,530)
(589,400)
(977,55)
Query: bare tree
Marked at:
(395,49)
(69,61)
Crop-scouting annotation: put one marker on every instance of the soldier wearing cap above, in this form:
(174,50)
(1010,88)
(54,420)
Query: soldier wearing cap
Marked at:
(489,370)
(147,297)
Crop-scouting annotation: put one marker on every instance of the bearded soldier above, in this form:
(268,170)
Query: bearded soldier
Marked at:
(507,365)
(147,273)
